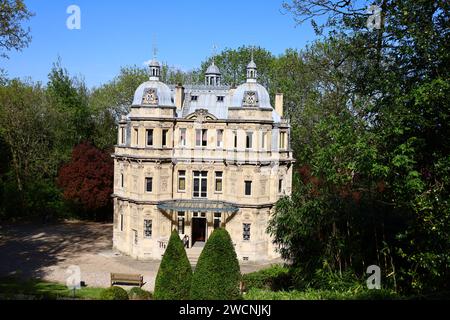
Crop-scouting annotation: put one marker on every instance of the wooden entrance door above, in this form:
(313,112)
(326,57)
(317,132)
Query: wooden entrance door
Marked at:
(198,229)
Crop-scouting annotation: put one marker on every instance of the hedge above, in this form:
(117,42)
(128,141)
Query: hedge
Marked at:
(173,281)
(217,274)
(137,293)
(114,293)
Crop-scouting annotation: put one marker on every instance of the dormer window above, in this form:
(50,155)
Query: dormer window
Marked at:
(220,98)
(194,98)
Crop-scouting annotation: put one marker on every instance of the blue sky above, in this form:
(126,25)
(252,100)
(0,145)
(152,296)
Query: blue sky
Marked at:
(121,33)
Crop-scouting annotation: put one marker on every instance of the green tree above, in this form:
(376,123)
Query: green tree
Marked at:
(13,36)
(233,63)
(111,101)
(69,98)
(26,127)
(217,273)
(377,130)
(173,281)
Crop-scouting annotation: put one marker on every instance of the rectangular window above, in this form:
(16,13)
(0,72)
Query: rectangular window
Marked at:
(201,137)
(183,137)
(147,228)
(121,222)
(122,135)
(282,140)
(181,180)
(280,185)
(246,231)
(220,98)
(263,140)
(219,184)
(148,184)
(248,188)
(235,139)
(194,98)
(135,237)
(217,219)
(122,180)
(149,137)
(136,136)
(164,137)
(249,140)
(180,226)
(200,184)
(220,138)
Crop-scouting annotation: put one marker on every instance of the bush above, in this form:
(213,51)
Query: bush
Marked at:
(173,281)
(274,278)
(311,294)
(114,293)
(217,274)
(137,293)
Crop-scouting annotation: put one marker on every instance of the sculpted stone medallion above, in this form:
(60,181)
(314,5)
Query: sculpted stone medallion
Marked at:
(250,99)
(150,97)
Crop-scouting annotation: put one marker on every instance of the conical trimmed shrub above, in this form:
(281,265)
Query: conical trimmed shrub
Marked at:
(217,274)
(173,281)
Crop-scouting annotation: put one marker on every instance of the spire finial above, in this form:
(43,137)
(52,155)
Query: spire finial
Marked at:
(214,52)
(154,48)
(251,50)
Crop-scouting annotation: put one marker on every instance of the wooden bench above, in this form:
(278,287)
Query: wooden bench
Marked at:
(123,278)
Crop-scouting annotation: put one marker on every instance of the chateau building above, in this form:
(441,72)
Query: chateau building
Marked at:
(197,157)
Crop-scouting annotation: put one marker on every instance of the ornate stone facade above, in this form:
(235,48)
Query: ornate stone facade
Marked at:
(196,158)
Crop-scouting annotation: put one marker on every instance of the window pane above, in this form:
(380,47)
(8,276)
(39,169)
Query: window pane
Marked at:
(204,188)
(204,138)
(183,136)
(182,184)
(248,188)
(147,228)
(181,222)
(198,137)
(219,138)
(219,185)
(246,231)
(136,135)
(164,137)
(150,137)
(263,142)
(249,140)
(196,187)
(148,184)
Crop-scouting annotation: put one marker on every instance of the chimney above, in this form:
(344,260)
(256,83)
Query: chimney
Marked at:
(179,96)
(279,104)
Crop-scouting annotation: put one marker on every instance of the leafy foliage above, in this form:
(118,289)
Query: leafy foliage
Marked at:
(173,281)
(217,274)
(88,178)
(12,34)
(274,278)
(114,293)
(137,293)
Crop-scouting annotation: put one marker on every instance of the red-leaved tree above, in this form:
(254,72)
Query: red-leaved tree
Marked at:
(88,178)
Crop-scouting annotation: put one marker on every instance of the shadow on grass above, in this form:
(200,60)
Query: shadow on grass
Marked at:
(15,288)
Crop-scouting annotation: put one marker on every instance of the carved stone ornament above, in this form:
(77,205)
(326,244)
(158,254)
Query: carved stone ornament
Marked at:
(250,99)
(150,97)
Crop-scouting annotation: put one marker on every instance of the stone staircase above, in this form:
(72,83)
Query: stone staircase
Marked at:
(193,253)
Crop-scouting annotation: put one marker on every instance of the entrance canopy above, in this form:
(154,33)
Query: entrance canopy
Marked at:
(197,205)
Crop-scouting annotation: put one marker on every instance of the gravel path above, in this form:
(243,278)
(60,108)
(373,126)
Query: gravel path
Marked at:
(46,251)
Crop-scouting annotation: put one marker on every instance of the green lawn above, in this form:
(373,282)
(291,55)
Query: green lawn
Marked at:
(11,288)
(314,294)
